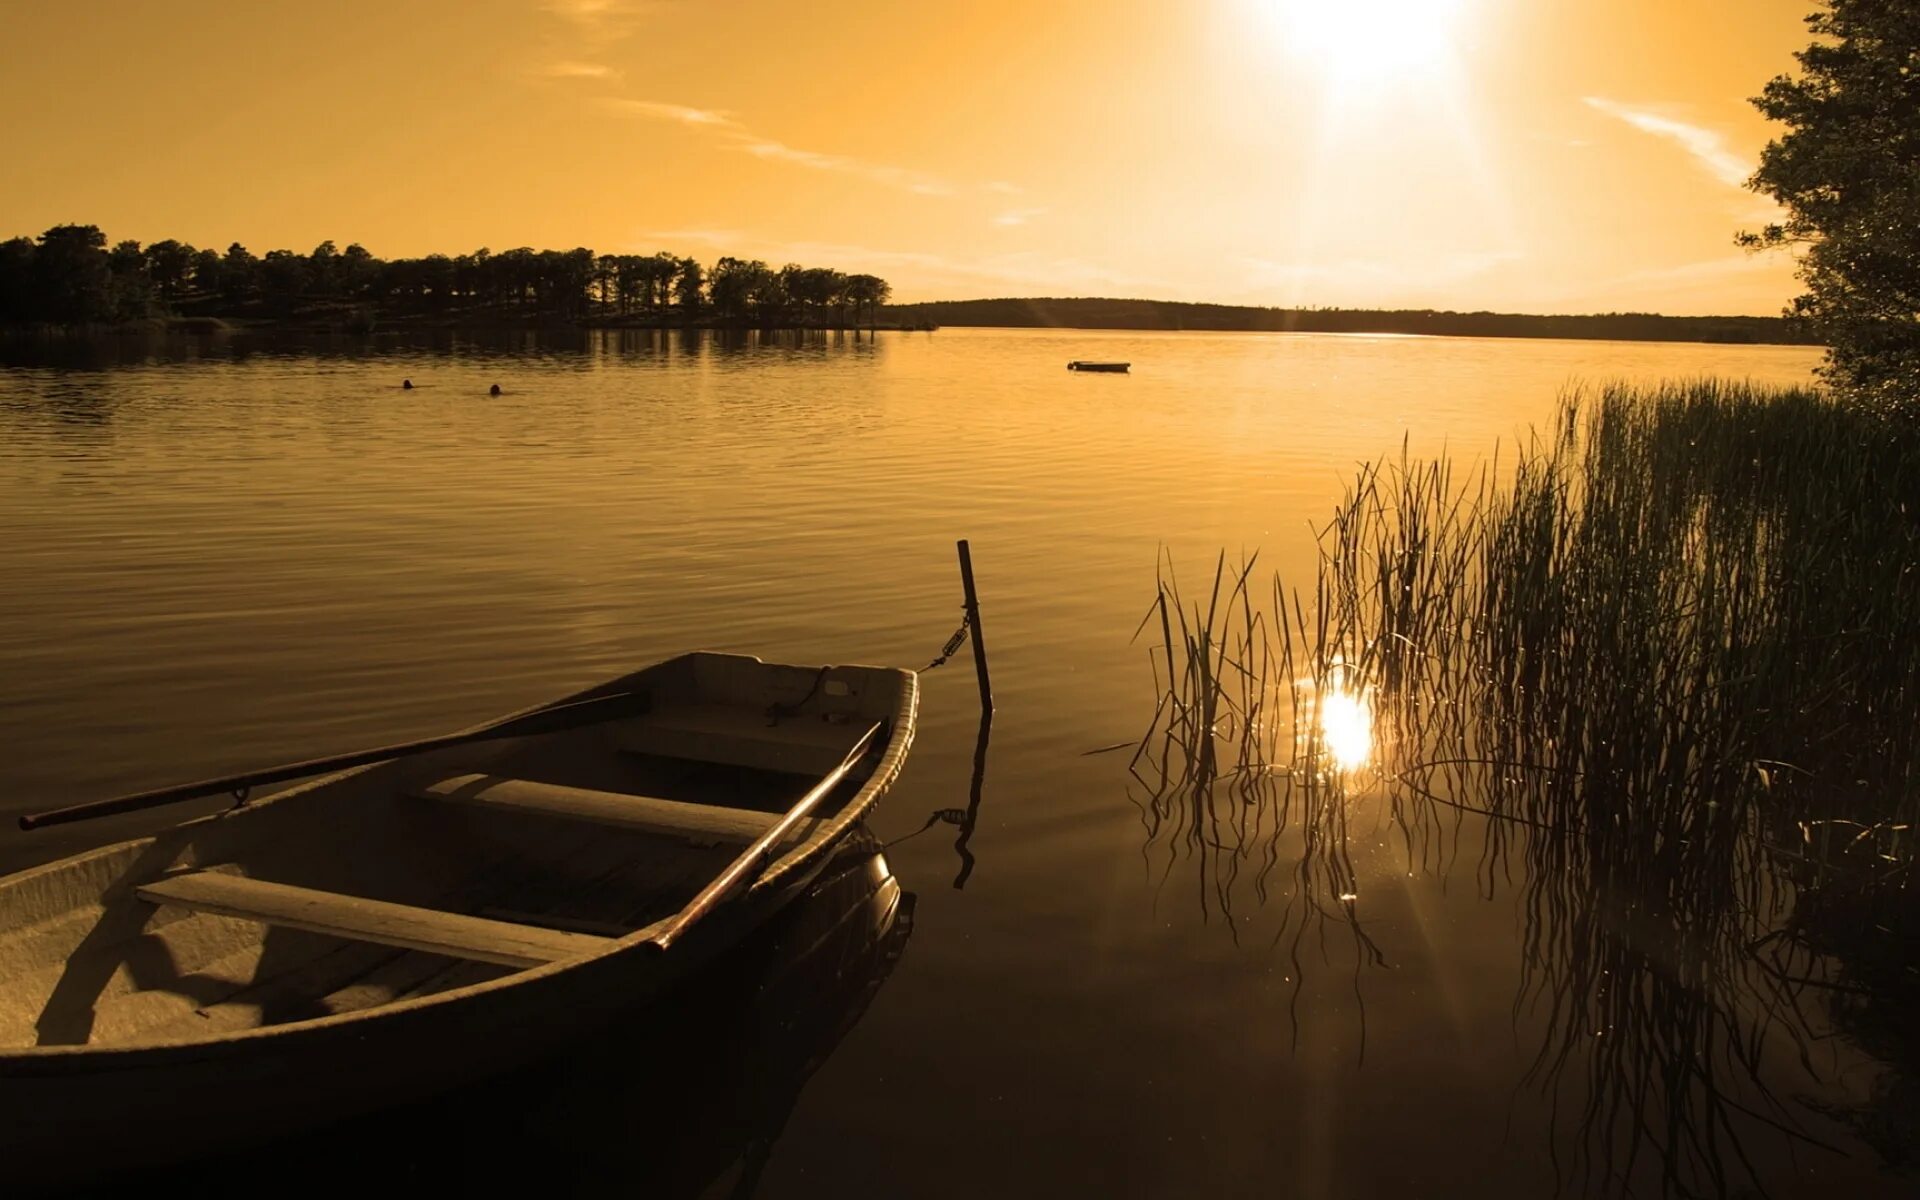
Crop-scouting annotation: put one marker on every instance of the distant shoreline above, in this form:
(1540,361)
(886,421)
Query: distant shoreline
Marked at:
(1157,316)
(1170,316)
(351,325)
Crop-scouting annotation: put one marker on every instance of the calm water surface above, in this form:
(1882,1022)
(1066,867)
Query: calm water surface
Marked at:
(225,555)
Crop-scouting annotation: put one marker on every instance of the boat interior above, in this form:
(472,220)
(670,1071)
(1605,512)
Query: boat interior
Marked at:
(429,873)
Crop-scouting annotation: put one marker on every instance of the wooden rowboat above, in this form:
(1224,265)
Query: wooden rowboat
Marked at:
(389,931)
(1083,365)
(683,1097)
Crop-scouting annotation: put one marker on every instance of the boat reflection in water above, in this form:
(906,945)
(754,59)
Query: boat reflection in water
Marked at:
(688,1099)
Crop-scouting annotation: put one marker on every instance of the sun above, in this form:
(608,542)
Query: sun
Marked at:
(1367,42)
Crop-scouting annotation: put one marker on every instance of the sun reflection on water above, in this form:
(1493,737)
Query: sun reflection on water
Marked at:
(1343,726)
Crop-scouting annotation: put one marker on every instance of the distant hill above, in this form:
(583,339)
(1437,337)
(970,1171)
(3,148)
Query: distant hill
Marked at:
(1045,312)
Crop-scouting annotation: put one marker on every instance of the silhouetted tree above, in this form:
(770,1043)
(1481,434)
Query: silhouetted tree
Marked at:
(17,296)
(605,290)
(657,272)
(283,279)
(471,274)
(689,282)
(322,269)
(132,281)
(869,291)
(126,260)
(1846,172)
(817,292)
(517,268)
(206,272)
(358,271)
(169,265)
(70,275)
(239,274)
(730,287)
(437,276)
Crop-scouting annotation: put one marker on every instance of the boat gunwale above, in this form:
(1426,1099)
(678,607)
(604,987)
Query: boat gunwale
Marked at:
(790,868)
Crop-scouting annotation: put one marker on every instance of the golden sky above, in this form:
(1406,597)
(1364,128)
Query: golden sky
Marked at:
(1522,155)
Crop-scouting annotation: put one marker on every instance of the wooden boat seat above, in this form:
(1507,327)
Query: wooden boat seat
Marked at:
(703,824)
(360,919)
(737,737)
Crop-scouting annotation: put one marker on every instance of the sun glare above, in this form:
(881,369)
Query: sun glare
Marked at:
(1367,41)
(1346,728)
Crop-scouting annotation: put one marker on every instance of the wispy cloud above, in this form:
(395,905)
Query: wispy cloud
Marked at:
(1016,216)
(570,69)
(656,110)
(583,10)
(739,137)
(587,31)
(895,177)
(700,236)
(1708,146)
(595,24)
(594,14)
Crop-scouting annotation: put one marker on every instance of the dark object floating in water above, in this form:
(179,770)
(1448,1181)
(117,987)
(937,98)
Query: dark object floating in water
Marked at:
(494,390)
(400,929)
(406,385)
(1081,365)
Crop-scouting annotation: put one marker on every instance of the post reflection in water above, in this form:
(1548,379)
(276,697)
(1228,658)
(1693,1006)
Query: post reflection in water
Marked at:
(971,816)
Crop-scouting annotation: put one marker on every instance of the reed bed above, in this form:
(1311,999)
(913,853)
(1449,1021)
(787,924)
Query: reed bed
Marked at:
(1674,662)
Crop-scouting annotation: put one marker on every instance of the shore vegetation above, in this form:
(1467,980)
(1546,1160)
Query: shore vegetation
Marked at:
(70,275)
(1670,668)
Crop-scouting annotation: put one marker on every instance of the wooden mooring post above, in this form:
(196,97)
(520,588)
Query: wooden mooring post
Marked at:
(973,625)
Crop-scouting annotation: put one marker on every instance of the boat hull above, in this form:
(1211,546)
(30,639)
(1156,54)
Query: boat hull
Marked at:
(75,1117)
(144,1031)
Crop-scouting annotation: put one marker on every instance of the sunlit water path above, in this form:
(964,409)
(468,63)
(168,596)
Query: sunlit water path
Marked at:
(219,556)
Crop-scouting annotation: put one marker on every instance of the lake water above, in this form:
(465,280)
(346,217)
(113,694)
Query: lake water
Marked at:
(222,555)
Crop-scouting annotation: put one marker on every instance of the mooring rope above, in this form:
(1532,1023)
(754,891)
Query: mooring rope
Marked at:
(951,816)
(953,644)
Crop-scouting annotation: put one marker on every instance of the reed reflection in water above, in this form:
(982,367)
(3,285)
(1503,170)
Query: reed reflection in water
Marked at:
(1670,677)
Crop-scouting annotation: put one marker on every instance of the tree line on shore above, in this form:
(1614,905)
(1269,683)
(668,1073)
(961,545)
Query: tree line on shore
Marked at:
(70,275)
(1102,313)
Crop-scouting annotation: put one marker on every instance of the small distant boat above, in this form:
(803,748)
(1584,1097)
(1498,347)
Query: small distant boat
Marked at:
(1083,365)
(450,909)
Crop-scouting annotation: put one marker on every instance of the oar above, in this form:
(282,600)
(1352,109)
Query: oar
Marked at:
(551,719)
(747,866)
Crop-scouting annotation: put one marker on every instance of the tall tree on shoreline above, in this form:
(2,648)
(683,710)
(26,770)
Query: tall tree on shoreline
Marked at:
(239,274)
(1846,173)
(72,280)
(206,271)
(132,281)
(689,282)
(870,291)
(17,296)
